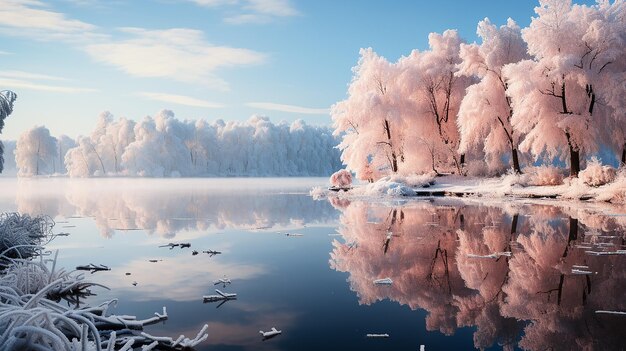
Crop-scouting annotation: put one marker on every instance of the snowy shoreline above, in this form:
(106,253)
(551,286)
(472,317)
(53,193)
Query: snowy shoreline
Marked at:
(508,186)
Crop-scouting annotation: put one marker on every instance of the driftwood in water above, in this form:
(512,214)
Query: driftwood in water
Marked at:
(172,245)
(270,334)
(93,268)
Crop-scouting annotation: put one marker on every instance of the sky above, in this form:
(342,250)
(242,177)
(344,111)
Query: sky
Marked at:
(69,60)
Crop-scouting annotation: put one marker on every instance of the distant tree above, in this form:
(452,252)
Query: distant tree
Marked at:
(35,152)
(485,112)
(560,98)
(7,98)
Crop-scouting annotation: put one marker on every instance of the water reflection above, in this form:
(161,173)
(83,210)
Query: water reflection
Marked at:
(528,276)
(165,207)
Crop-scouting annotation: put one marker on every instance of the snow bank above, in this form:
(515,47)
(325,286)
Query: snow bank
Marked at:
(387,186)
(510,185)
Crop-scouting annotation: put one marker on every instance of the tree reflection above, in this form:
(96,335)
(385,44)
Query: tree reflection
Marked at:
(165,207)
(526,276)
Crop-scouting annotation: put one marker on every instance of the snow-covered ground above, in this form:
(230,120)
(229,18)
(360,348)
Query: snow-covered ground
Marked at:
(515,186)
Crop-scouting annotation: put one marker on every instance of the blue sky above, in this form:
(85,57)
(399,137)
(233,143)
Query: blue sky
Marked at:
(69,60)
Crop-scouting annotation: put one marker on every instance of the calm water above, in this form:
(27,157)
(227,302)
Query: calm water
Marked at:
(317,286)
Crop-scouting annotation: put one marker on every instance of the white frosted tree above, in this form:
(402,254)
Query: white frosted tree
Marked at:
(485,113)
(159,148)
(84,159)
(7,98)
(35,152)
(64,144)
(560,97)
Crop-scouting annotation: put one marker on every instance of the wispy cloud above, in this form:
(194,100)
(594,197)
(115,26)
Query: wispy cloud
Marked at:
(288,108)
(5,53)
(179,100)
(25,84)
(252,11)
(180,54)
(32,19)
(29,75)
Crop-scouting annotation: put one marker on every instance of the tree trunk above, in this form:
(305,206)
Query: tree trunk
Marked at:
(574,162)
(574,158)
(516,167)
(394,158)
(514,225)
(623,156)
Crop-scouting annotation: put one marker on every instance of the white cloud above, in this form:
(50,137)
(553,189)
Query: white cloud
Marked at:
(248,18)
(180,54)
(252,11)
(179,99)
(5,53)
(279,8)
(14,84)
(288,108)
(31,18)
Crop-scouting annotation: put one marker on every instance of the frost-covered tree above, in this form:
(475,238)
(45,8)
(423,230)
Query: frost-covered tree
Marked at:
(83,160)
(433,92)
(560,97)
(7,98)
(36,152)
(485,112)
(64,144)
(369,119)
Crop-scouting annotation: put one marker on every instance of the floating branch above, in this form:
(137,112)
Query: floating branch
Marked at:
(181,245)
(220,297)
(581,272)
(270,334)
(384,281)
(93,268)
(612,312)
(606,253)
(377,335)
(493,255)
(154,261)
(222,281)
(212,252)
(293,234)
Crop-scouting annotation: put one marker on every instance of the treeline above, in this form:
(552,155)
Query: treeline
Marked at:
(553,91)
(164,146)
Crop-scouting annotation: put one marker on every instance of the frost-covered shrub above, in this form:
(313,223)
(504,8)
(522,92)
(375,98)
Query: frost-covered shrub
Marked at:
(22,232)
(596,174)
(342,179)
(544,175)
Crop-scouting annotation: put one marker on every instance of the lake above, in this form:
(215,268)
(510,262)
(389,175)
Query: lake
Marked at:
(465,273)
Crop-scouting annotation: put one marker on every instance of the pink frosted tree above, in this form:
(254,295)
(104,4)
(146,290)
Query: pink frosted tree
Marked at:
(369,118)
(560,97)
(432,94)
(485,112)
